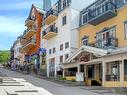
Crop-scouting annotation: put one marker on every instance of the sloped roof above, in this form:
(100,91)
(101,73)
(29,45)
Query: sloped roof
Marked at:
(39,8)
(97,51)
(118,50)
(90,49)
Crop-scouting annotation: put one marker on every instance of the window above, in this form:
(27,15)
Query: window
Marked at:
(113,32)
(50,51)
(66,45)
(54,50)
(52,67)
(84,18)
(125,70)
(125,1)
(61,59)
(61,47)
(64,20)
(125,30)
(64,4)
(66,56)
(85,41)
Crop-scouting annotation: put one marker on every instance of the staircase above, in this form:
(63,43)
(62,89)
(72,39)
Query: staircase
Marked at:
(95,83)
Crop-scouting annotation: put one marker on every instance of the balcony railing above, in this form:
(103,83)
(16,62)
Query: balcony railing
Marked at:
(102,13)
(49,32)
(50,16)
(110,42)
(112,77)
(29,33)
(28,44)
(70,73)
(29,21)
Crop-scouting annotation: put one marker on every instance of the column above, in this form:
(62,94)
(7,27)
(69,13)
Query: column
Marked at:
(103,73)
(78,68)
(122,73)
(56,68)
(63,73)
(47,66)
(40,61)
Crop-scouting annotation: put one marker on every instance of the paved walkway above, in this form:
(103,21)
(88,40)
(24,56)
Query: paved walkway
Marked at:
(53,88)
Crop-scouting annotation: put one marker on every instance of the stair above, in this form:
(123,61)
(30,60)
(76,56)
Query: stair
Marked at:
(95,83)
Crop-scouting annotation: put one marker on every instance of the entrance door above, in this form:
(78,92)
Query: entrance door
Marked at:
(52,67)
(90,73)
(100,72)
(105,37)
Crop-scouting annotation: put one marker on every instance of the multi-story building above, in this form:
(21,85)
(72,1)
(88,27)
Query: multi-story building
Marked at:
(11,54)
(18,56)
(31,36)
(60,34)
(102,56)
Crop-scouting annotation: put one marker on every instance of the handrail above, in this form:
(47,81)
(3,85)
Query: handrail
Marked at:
(102,9)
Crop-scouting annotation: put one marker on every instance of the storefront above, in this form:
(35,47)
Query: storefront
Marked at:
(107,70)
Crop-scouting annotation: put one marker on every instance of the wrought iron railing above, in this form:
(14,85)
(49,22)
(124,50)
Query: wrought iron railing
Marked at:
(50,29)
(102,9)
(28,30)
(51,12)
(110,42)
(112,77)
(33,41)
(30,18)
(70,73)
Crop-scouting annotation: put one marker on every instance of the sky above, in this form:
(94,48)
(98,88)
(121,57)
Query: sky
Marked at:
(13,14)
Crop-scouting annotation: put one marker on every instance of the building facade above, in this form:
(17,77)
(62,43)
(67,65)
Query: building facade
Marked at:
(31,36)
(18,56)
(60,35)
(102,56)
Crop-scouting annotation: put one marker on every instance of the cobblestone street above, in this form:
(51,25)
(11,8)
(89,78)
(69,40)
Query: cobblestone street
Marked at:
(42,87)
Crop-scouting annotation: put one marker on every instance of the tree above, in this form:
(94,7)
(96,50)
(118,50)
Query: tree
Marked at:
(4,56)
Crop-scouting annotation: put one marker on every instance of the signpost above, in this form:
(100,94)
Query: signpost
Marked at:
(79,77)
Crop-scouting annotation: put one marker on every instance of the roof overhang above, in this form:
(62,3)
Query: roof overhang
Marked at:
(94,50)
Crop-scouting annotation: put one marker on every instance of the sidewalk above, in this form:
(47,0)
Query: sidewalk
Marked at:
(96,89)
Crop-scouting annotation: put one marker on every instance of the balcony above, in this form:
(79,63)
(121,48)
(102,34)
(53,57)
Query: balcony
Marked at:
(29,21)
(50,16)
(102,13)
(49,32)
(110,42)
(28,33)
(27,45)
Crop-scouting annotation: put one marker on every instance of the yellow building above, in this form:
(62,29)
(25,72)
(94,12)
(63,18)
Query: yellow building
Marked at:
(102,57)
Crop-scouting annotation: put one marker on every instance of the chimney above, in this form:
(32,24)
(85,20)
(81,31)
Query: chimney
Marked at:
(46,5)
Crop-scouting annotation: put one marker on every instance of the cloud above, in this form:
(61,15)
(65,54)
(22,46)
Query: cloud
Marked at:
(18,6)
(11,26)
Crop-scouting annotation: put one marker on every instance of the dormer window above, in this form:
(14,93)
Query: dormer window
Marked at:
(64,4)
(85,40)
(84,18)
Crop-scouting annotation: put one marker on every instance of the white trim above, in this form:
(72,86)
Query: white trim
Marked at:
(90,49)
(125,30)
(82,17)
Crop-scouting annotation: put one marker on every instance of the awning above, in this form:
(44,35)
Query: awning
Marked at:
(118,51)
(40,51)
(94,50)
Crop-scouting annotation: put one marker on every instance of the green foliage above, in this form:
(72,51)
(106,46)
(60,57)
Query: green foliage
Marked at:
(4,56)
(61,78)
(33,58)
(73,80)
